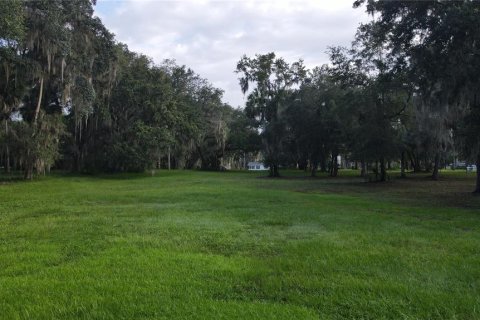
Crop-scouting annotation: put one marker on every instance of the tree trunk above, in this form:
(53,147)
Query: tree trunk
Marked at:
(435,168)
(7,150)
(363,173)
(428,164)
(314,169)
(39,103)
(169,161)
(383,171)
(29,171)
(402,164)
(334,166)
(276,172)
(323,164)
(415,162)
(76,160)
(477,188)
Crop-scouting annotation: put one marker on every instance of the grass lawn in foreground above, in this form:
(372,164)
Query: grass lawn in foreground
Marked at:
(198,245)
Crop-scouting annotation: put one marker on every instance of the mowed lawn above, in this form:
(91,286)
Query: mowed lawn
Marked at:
(199,245)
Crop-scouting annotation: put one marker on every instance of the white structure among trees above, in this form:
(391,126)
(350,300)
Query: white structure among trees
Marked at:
(256,166)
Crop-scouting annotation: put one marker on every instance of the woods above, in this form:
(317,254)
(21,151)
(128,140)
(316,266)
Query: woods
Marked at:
(74,98)
(405,92)
(404,95)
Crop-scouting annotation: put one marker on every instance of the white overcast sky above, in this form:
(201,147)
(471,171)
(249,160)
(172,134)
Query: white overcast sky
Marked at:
(211,36)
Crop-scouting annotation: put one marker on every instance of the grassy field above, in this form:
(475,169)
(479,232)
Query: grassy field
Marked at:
(197,245)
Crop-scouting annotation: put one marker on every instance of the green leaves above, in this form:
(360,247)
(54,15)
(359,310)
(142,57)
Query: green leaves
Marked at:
(12,21)
(272,78)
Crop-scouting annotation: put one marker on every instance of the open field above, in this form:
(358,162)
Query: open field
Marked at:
(198,245)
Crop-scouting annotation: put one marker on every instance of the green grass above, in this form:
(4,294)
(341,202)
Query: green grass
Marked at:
(197,245)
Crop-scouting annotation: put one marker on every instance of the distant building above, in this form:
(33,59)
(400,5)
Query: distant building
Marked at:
(472,168)
(259,166)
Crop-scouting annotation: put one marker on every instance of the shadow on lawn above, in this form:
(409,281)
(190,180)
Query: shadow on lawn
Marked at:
(453,190)
(6,178)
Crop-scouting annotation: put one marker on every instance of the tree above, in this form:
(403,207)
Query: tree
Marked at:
(12,86)
(272,79)
(317,120)
(243,138)
(440,40)
(201,128)
(377,97)
(84,102)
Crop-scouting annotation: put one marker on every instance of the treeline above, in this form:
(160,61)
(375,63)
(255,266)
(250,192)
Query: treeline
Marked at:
(407,92)
(74,98)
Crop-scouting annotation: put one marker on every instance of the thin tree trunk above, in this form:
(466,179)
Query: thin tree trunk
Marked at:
(428,164)
(314,169)
(383,171)
(28,171)
(334,166)
(323,164)
(169,161)
(415,163)
(330,169)
(7,160)
(363,173)
(435,168)
(274,172)
(7,150)
(477,188)
(39,103)
(402,164)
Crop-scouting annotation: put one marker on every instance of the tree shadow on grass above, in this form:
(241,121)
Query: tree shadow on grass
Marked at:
(6,178)
(452,190)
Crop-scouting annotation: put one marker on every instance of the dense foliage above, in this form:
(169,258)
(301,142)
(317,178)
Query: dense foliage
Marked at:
(74,98)
(405,94)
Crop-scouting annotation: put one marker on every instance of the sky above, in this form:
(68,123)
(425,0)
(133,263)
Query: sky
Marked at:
(210,37)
